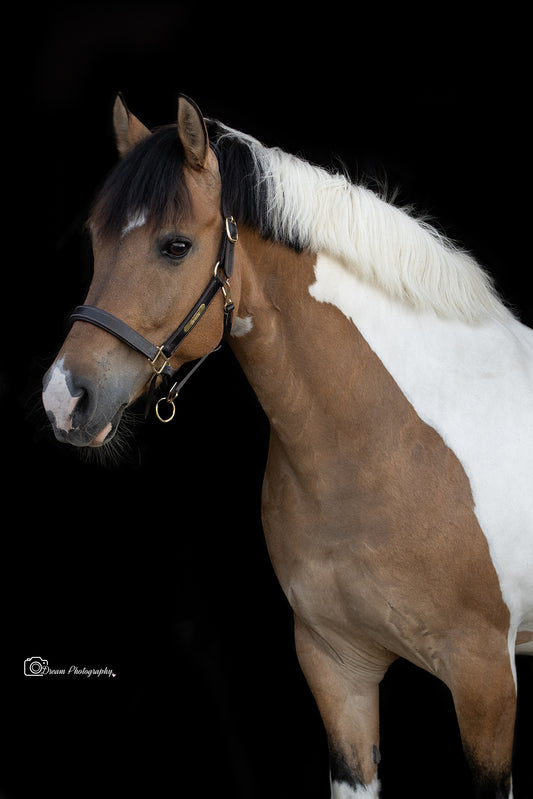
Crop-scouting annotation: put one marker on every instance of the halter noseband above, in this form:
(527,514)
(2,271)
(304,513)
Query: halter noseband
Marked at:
(159,357)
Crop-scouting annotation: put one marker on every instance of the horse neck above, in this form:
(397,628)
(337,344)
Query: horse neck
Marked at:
(304,359)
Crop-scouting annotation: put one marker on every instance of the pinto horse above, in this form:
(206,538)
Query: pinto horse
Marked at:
(397,498)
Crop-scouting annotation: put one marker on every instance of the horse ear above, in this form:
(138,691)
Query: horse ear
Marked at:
(128,130)
(192,132)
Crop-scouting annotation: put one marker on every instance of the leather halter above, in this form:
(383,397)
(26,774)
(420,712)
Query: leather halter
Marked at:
(159,357)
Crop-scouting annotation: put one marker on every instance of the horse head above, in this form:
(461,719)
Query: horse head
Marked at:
(156,228)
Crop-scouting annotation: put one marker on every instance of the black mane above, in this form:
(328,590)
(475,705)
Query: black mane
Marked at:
(244,187)
(150,180)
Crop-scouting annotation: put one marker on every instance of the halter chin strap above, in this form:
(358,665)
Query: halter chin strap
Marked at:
(159,357)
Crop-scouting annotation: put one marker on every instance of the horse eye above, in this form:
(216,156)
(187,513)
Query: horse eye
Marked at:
(176,248)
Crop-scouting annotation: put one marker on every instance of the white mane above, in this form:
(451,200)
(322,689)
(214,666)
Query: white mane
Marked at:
(382,244)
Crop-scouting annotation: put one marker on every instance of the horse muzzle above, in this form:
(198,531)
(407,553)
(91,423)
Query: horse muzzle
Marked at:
(83,412)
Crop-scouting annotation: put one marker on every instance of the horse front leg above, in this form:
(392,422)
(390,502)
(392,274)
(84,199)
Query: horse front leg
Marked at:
(347,695)
(484,695)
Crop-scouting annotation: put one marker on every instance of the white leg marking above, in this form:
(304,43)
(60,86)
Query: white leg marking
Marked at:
(341,790)
(57,398)
(241,327)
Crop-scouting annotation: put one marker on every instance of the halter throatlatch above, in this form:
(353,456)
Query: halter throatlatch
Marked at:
(159,357)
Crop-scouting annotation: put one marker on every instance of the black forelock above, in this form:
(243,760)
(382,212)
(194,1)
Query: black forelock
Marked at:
(149,180)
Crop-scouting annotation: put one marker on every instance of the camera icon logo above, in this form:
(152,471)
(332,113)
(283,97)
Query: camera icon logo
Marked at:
(35,667)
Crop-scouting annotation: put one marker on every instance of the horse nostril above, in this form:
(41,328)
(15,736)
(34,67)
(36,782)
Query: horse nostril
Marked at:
(83,409)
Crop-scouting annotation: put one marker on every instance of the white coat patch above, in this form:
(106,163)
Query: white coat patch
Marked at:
(57,398)
(241,327)
(474,385)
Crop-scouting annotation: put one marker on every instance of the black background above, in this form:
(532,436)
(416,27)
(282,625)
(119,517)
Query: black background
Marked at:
(157,567)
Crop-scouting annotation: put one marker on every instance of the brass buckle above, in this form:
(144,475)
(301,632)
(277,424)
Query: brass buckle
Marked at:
(232,232)
(153,361)
(227,294)
(225,287)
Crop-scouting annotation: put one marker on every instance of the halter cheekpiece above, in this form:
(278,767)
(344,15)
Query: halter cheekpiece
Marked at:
(159,357)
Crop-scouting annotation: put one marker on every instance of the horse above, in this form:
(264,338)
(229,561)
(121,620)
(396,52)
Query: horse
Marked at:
(396,503)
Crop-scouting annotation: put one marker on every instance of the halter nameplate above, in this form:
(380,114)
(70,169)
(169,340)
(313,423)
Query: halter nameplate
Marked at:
(195,318)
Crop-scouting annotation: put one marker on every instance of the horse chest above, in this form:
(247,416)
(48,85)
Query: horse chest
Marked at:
(366,537)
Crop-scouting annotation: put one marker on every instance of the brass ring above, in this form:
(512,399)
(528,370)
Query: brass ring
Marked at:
(169,402)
